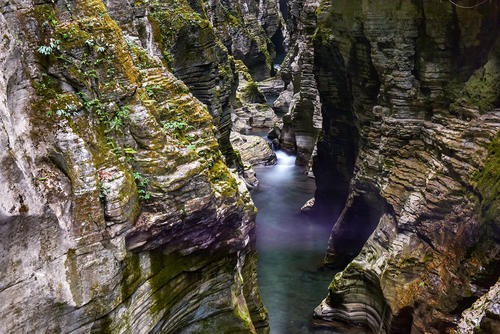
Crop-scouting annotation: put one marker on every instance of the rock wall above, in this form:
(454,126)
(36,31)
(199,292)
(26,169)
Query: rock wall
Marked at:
(179,35)
(118,213)
(246,28)
(303,122)
(410,103)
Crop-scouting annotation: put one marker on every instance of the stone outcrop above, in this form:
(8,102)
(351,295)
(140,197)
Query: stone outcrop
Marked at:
(282,103)
(254,150)
(118,213)
(303,122)
(410,100)
(484,315)
(250,109)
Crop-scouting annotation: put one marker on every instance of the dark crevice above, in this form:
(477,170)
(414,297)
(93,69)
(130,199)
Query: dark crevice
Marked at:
(357,222)
(402,323)
(278,40)
(284,8)
(338,84)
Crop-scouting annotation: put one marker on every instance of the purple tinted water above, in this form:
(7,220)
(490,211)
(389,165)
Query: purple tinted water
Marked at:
(290,247)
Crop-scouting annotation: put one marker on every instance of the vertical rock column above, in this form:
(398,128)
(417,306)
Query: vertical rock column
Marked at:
(302,123)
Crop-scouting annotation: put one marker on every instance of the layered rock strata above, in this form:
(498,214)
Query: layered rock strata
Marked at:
(303,121)
(247,28)
(254,150)
(118,213)
(484,315)
(410,101)
(179,34)
(250,109)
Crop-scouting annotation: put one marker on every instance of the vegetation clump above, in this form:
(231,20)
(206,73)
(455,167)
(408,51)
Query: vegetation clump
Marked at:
(488,184)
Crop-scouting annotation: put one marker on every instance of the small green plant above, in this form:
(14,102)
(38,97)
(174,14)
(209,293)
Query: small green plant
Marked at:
(114,121)
(47,50)
(150,90)
(142,184)
(103,191)
(168,57)
(252,92)
(175,125)
(129,150)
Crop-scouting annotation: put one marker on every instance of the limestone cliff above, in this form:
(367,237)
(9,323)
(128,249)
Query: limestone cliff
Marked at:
(410,103)
(118,213)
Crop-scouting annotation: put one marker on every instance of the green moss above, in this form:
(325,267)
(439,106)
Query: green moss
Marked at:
(141,58)
(73,276)
(222,180)
(45,14)
(478,330)
(131,275)
(252,92)
(488,184)
(172,274)
(170,17)
(105,325)
(482,90)
(163,269)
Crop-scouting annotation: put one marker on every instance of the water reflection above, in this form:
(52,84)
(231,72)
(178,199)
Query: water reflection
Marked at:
(290,247)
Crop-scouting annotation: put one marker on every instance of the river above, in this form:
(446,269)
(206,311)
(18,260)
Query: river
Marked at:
(290,247)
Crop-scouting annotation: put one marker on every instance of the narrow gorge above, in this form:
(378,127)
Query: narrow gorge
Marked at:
(250,166)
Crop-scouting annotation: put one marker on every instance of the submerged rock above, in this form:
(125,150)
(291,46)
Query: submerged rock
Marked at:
(308,206)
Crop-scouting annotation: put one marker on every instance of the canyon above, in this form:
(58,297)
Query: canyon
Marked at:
(137,135)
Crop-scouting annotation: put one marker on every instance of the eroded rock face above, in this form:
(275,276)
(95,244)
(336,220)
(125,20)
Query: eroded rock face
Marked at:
(483,315)
(254,150)
(303,122)
(410,138)
(246,29)
(180,36)
(118,213)
(250,109)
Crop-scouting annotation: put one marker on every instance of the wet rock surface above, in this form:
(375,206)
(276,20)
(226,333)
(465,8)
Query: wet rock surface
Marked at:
(250,109)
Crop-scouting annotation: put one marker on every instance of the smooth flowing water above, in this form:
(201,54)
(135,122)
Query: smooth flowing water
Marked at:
(290,247)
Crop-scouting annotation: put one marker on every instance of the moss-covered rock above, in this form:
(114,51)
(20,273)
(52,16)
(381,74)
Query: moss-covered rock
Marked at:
(120,212)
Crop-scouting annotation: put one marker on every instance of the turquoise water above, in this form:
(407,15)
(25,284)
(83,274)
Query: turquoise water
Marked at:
(290,247)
